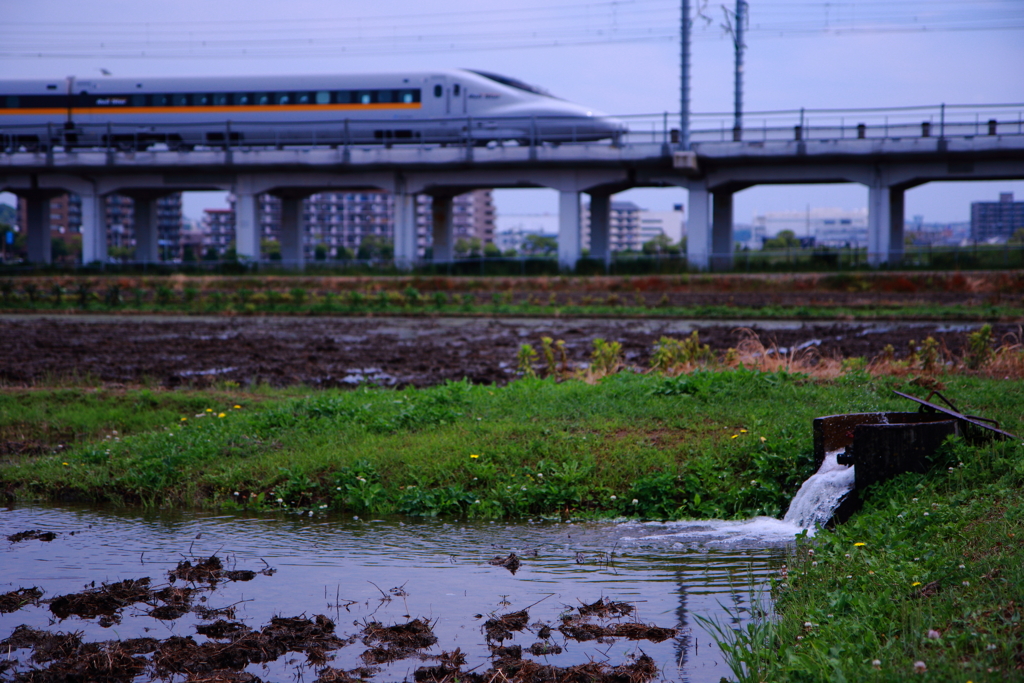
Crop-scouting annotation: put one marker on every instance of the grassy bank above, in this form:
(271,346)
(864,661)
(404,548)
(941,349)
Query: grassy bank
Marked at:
(923,584)
(710,444)
(897,296)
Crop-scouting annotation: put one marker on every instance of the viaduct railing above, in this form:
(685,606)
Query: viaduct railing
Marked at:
(708,129)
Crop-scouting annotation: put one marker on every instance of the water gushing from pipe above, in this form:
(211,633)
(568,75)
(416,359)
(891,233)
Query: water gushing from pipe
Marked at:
(819,496)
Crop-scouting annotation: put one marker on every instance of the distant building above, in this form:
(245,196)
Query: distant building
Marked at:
(66,219)
(512,229)
(623,227)
(996,221)
(340,221)
(668,223)
(827,227)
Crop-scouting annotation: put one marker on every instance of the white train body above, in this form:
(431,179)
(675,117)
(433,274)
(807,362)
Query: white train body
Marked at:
(440,107)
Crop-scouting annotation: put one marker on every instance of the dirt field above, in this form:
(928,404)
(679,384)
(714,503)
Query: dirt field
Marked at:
(334,351)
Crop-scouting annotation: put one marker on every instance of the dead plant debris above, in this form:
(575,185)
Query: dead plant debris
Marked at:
(16,599)
(501,628)
(211,571)
(108,601)
(32,535)
(511,563)
(605,608)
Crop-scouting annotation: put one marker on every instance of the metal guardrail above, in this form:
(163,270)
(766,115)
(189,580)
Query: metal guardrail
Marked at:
(933,121)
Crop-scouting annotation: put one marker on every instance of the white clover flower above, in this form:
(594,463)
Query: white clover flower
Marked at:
(920,667)
(933,634)
(615,497)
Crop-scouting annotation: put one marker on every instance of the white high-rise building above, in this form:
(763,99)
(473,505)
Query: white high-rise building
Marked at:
(829,227)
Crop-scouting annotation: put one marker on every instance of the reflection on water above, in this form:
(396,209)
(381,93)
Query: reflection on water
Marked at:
(669,572)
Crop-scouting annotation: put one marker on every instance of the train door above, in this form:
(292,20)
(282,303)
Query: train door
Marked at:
(458,99)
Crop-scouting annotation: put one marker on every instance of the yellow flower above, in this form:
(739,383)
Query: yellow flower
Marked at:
(237,407)
(221,415)
(857,545)
(184,419)
(743,431)
(474,456)
(734,436)
(763,439)
(209,410)
(65,464)
(916,583)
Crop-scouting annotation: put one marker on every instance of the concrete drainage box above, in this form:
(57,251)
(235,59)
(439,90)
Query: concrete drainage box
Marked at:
(882,445)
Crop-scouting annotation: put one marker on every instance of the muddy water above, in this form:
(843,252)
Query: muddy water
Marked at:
(357,571)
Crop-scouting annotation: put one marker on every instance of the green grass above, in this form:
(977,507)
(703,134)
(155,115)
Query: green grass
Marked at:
(704,445)
(851,607)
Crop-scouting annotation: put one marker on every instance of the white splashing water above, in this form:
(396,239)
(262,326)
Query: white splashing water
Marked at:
(821,494)
(813,506)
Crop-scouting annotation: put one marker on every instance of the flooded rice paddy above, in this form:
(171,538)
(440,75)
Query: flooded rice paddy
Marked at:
(192,596)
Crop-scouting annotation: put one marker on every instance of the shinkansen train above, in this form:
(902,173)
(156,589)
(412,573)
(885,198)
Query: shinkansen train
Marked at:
(439,107)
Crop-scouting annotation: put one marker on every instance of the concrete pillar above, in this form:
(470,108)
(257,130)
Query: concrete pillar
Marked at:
(37,236)
(144,222)
(568,229)
(698,227)
(600,239)
(444,229)
(247,225)
(292,253)
(94,228)
(880,228)
(405,230)
(896,219)
(721,231)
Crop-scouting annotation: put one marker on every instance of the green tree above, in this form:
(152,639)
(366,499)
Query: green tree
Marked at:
(1017,237)
(661,244)
(491,250)
(271,249)
(375,247)
(786,239)
(540,245)
(320,252)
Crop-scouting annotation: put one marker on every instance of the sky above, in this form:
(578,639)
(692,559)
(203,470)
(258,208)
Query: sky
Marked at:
(620,57)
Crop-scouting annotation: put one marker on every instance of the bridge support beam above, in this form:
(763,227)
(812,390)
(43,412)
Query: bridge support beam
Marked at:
(444,229)
(293,254)
(600,238)
(569,242)
(405,230)
(247,225)
(145,226)
(721,230)
(698,227)
(94,227)
(885,225)
(37,237)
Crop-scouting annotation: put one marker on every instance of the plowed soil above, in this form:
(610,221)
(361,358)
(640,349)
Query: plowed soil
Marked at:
(390,351)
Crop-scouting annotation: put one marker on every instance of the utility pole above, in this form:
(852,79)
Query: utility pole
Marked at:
(741,19)
(684,99)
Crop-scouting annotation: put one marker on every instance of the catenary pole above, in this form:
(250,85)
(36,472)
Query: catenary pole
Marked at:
(684,97)
(741,12)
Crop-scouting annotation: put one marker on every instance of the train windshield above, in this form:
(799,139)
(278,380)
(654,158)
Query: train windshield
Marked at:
(512,83)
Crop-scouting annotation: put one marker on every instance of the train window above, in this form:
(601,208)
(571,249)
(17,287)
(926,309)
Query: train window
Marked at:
(323,97)
(138,100)
(383,95)
(161,100)
(202,100)
(302,98)
(283,98)
(220,99)
(241,98)
(457,90)
(438,91)
(365,97)
(12,102)
(180,100)
(407,96)
(342,97)
(261,98)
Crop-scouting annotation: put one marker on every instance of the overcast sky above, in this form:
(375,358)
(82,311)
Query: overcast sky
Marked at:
(618,57)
